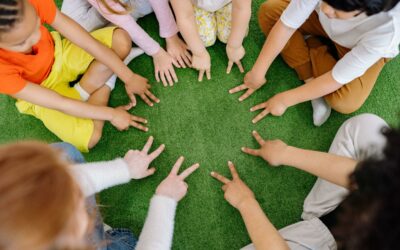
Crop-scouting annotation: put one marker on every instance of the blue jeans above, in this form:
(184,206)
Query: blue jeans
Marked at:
(113,239)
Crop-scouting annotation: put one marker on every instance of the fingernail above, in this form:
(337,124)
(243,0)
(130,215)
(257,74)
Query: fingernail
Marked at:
(212,173)
(253,121)
(251,109)
(240,99)
(254,132)
(242,148)
(229,162)
(147,129)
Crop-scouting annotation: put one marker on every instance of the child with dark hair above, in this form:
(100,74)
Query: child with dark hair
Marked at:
(337,47)
(355,173)
(36,67)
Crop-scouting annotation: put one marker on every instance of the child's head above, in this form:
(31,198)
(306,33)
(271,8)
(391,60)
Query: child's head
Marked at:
(19,25)
(41,206)
(345,9)
(370,216)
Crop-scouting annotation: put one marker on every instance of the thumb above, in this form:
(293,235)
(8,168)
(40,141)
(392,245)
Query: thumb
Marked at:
(133,100)
(150,171)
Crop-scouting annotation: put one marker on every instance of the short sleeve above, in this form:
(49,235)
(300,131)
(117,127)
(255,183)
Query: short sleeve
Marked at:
(11,82)
(298,12)
(46,10)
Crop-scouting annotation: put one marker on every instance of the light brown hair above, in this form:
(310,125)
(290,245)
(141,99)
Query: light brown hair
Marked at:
(38,199)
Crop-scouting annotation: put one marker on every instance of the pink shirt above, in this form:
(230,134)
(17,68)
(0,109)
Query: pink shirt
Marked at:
(164,16)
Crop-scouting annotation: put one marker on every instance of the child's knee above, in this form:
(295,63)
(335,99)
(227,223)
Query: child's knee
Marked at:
(268,14)
(95,138)
(344,104)
(122,43)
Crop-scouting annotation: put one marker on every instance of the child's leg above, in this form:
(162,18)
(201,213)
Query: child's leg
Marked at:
(224,22)
(83,13)
(352,96)
(206,26)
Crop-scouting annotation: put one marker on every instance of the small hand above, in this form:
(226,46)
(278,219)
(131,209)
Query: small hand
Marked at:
(235,55)
(139,85)
(164,69)
(174,186)
(275,106)
(122,120)
(271,151)
(138,161)
(202,63)
(179,51)
(236,191)
(251,82)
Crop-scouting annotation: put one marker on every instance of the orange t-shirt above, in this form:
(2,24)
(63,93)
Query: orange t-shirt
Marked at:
(17,69)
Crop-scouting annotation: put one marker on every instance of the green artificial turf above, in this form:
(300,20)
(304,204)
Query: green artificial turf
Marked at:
(202,122)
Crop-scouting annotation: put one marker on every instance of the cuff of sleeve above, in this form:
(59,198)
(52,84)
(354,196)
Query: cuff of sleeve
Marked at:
(164,201)
(171,32)
(337,76)
(153,50)
(287,22)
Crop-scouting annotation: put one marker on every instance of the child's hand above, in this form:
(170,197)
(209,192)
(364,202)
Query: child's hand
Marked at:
(236,191)
(179,51)
(139,85)
(275,106)
(174,186)
(122,120)
(164,69)
(202,63)
(271,151)
(235,55)
(138,161)
(251,82)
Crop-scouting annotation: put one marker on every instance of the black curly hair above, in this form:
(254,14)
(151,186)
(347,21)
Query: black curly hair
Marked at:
(370,7)
(11,12)
(370,214)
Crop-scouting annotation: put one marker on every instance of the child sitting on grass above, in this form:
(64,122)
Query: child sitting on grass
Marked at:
(202,21)
(36,67)
(338,47)
(95,14)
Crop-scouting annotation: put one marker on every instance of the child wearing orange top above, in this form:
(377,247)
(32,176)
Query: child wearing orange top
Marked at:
(36,67)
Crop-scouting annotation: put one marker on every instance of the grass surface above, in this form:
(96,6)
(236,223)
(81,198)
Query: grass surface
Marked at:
(207,125)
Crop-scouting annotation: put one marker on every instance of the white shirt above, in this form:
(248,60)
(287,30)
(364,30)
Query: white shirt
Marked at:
(370,38)
(210,5)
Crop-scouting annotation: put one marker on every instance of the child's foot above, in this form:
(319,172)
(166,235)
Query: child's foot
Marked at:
(321,111)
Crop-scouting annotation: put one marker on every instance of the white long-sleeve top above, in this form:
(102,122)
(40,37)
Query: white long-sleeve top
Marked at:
(158,229)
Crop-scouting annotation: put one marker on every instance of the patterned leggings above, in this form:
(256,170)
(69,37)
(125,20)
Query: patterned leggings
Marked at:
(211,25)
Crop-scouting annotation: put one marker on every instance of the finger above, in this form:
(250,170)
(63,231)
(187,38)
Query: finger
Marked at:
(152,96)
(187,59)
(157,72)
(230,64)
(248,93)
(250,151)
(157,152)
(139,126)
(173,74)
(219,177)
(146,100)
(201,75)
(181,62)
(258,138)
(169,78)
(138,119)
(238,88)
(128,106)
(163,79)
(176,63)
(232,168)
(189,171)
(177,165)
(259,106)
(150,171)
(208,73)
(260,116)
(133,99)
(148,144)
(240,66)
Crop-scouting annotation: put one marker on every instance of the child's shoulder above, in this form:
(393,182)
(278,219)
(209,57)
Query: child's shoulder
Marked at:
(46,10)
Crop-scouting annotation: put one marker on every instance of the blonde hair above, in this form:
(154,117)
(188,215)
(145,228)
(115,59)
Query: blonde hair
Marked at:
(39,199)
(126,6)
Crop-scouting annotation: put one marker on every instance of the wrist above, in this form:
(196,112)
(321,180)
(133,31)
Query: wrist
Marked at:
(246,203)
(288,154)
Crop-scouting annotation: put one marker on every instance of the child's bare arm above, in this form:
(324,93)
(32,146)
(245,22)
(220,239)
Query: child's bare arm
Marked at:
(47,98)
(76,34)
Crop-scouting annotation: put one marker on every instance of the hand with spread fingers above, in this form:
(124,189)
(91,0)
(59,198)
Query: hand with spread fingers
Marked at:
(122,119)
(251,83)
(272,151)
(164,68)
(235,55)
(275,106)
(138,161)
(139,85)
(174,186)
(179,52)
(202,63)
(236,191)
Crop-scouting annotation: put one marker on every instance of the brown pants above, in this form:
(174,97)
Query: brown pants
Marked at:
(311,57)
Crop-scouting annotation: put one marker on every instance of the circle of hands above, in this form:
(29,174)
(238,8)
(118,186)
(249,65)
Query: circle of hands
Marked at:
(174,185)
